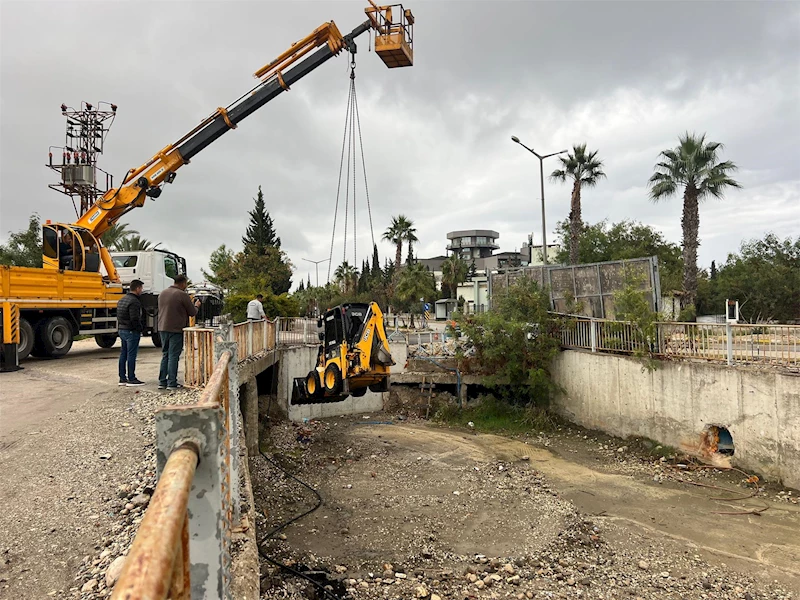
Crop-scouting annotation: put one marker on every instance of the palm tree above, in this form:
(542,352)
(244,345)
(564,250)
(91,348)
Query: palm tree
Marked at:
(401,230)
(454,271)
(134,243)
(347,276)
(693,165)
(115,234)
(415,282)
(584,169)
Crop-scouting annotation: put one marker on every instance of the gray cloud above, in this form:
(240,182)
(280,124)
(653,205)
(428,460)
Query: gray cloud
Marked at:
(624,77)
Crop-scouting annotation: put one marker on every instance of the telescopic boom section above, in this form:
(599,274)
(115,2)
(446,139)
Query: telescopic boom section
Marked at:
(393,43)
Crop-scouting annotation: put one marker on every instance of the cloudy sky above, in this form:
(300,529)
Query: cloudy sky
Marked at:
(625,77)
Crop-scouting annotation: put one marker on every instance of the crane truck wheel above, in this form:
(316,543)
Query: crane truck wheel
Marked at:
(55,335)
(106,340)
(333,379)
(156,337)
(25,339)
(358,392)
(313,384)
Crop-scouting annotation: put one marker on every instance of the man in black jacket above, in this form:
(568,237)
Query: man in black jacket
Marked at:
(130,322)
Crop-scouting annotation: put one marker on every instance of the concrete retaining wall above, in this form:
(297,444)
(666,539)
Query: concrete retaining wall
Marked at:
(297,362)
(676,402)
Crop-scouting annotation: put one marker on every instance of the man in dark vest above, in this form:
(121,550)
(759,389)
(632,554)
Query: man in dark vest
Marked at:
(174,309)
(130,323)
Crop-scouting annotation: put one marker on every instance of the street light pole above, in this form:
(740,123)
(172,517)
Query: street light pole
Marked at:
(316,266)
(541,180)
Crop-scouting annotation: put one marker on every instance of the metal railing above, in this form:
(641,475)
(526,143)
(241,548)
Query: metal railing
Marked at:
(252,338)
(777,345)
(198,362)
(296,331)
(183,534)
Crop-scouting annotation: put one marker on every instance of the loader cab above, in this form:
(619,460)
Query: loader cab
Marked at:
(69,248)
(340,324)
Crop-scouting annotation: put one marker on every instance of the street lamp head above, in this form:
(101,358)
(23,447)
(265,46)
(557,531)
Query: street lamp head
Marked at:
(515,139)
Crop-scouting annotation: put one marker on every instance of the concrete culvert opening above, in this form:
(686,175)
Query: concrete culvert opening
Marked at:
(719,440)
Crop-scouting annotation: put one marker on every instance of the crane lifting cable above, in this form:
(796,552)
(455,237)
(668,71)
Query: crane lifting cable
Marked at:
(351,141)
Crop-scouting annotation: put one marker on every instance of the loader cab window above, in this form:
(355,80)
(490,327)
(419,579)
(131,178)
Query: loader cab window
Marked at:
(170,267)
(90,253)
(355,316)
(334,332)
(67,253)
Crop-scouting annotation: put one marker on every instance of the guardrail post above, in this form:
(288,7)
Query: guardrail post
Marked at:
(266,334)
(729,335)
(233,425)
(209,527)
(249,338)
(593,334)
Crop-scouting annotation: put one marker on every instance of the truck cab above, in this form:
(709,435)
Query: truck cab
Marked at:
(156,269)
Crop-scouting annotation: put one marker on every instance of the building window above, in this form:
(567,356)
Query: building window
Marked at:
(481,241)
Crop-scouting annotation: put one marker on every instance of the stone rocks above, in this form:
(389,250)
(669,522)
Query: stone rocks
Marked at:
(644,565)
(89,585)
(114,570)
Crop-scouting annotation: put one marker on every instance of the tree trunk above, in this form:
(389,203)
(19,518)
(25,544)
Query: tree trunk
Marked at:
(398,254)
(575,223)
(690,221)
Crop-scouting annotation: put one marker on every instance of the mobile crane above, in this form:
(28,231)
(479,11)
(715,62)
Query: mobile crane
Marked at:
(46,307)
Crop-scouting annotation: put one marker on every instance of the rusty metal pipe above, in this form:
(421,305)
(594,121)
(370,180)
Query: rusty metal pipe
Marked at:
(210,394)
(149,567)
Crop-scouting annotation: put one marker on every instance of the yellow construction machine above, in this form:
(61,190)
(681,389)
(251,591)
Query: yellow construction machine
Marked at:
(353,357)
(70,294)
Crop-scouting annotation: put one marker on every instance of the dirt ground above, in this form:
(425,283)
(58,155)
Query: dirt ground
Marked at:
(75,449)
(415,510)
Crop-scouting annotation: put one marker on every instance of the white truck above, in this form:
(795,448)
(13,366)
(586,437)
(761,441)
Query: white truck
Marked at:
(156,269)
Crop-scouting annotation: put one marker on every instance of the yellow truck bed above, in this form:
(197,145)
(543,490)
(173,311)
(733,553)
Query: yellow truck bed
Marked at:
(48,288)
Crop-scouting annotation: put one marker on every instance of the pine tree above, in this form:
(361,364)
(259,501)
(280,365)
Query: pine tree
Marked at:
(410,257)
(261,232)
(308,285)
(302,286)
(376,264)
(713,269)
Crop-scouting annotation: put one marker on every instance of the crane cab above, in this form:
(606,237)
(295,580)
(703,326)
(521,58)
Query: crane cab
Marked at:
(394,34)
(69,248)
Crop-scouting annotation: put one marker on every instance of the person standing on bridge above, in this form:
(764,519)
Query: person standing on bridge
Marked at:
(174,309)
(130,317)
(255,310)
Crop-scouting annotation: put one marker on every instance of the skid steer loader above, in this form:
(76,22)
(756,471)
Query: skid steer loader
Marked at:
(353,356)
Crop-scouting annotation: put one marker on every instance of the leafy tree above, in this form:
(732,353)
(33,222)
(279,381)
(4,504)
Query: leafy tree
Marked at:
(222,264)
(602,242)
(114,235)
(274,305)
(454,272)
(24,248)
(260,232)
(764,276)
(632,305)
(694,166)
(399,231)
(583,169)
(515,342)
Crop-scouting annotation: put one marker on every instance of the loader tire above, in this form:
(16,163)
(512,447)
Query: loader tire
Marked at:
(313,384)
(333,379)
(358,392)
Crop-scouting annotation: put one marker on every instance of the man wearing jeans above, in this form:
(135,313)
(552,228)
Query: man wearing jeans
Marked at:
(130,326)
(174,309)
